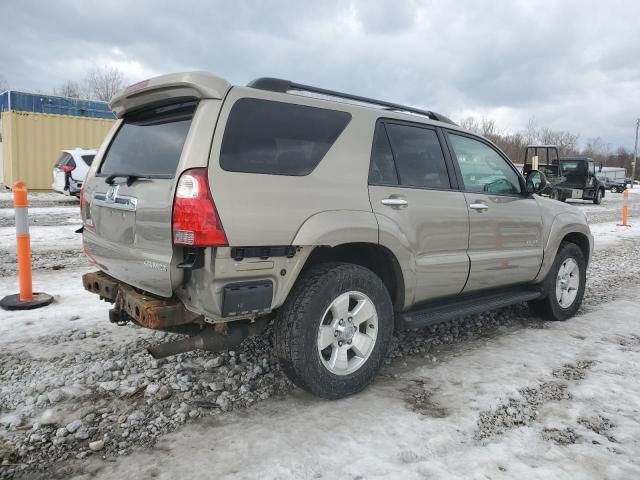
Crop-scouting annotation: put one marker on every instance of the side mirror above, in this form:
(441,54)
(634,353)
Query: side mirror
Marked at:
(536,181)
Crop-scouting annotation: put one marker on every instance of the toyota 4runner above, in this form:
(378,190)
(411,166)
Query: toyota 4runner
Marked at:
(212,210)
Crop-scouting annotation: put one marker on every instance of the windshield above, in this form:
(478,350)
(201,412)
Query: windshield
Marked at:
(150,143)
(573,167)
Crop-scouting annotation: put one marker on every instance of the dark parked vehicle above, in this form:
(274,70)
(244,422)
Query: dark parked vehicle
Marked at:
(569,177)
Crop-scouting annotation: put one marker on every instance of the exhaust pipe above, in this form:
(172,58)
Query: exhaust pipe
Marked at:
(210,340)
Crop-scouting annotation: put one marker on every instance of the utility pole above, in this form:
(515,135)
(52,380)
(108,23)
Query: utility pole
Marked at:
(635,156)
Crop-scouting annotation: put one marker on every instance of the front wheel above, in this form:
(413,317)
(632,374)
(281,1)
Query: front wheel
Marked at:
(564,285)
(598,197)
(334,330)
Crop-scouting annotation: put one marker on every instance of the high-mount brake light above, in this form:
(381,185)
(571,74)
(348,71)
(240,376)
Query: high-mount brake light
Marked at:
(196,222)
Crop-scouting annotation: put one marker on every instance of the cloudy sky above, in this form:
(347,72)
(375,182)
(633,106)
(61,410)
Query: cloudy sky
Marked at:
(573,65)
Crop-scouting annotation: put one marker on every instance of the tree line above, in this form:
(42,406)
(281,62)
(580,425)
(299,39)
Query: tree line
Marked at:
(100,83)
(514,144)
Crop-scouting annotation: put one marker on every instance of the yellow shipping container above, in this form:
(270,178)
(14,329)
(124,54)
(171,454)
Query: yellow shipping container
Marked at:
(31,143)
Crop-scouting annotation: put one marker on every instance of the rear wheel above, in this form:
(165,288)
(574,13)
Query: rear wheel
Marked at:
(597,199)
(334,330)
(564,285)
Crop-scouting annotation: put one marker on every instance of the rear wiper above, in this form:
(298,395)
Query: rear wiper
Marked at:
(130,178)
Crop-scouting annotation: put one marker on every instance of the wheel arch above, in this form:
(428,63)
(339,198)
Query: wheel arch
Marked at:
(566,227)
(579,239)
(377,258)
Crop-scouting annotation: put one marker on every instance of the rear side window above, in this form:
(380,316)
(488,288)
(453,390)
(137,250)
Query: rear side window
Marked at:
(65,160)
(88,159)
(418,156)
(277,138)
(383,169)
(150,143)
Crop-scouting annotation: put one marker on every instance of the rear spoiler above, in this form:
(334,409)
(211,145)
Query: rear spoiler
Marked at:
(158,90)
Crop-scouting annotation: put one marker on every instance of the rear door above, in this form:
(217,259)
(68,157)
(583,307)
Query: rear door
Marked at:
(129,230)
(412,195)
(505,237)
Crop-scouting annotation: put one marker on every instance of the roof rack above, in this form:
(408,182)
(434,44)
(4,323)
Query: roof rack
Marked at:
(284,86)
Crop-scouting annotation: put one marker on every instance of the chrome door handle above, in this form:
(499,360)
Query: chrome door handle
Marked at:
(395,202)
(479,206)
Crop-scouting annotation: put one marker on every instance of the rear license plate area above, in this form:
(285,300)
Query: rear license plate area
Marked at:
(244,298)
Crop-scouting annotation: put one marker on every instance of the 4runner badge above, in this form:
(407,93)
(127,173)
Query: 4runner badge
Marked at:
(155,265)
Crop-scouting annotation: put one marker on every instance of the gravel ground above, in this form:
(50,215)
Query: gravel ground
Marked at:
(106,401)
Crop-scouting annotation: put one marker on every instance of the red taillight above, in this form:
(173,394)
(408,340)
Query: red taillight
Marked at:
(85,209)
(67,168)
(195,219)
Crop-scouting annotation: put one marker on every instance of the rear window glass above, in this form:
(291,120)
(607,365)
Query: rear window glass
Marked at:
(65,159)
(277,138)
(150,143)
(88,159)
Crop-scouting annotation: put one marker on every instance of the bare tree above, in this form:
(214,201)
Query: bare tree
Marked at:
(4,84)
(488,127)
(104,82)
(471,124)
(566,142)
(71,89)
(532,132)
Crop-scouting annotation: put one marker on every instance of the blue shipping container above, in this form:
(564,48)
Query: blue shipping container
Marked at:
(32,102)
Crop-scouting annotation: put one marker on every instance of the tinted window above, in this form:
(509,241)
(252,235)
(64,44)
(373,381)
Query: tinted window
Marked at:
(88,159)
(65,159)
(150,143)
(383,170)
(418,156)
(278,138)
(482,168)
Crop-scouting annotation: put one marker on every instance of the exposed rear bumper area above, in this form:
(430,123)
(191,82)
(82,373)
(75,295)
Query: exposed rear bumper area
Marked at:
(145,309)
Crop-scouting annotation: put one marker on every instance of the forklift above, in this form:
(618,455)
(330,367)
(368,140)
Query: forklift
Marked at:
(568,177)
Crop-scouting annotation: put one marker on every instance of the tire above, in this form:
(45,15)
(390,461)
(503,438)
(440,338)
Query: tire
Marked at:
(310,307)
(597,199)
(614,190)
(550,307)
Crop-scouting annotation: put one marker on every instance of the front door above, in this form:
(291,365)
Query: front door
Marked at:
(505,226)
(422,219)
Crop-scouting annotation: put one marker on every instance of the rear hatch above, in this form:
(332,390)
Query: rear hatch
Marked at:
(129,233)
(165,127)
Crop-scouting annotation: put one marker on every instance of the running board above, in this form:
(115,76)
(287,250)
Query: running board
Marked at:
(442,310)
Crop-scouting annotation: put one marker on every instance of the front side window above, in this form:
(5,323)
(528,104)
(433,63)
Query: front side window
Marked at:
(482,168)
(277,138)
(418,156)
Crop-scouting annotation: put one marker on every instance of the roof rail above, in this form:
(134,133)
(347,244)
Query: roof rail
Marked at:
(284,86)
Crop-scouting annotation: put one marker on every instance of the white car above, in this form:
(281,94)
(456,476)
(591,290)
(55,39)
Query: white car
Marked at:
(71,169)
